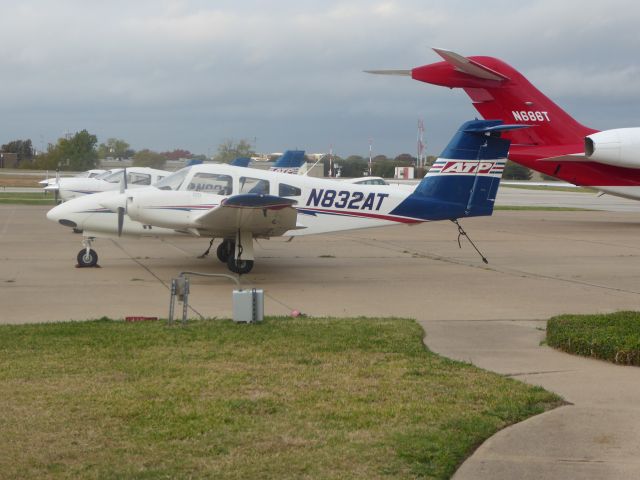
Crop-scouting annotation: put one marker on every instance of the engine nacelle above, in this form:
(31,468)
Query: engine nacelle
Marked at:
(619,147)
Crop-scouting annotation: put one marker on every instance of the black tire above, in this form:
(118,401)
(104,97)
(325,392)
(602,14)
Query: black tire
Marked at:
(90,260)
(239,266)
(225,250)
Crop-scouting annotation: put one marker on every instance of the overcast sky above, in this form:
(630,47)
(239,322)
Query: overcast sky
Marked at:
(167,74)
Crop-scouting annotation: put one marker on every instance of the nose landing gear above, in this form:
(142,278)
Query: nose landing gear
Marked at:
(87,257)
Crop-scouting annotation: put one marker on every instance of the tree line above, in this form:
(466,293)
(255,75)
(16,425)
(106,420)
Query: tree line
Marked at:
(81,151)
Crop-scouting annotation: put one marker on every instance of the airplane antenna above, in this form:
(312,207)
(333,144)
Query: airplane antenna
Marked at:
(420,160)
(462,233)
(370,153)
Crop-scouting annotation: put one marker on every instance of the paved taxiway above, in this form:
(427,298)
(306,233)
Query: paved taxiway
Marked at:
(541,264)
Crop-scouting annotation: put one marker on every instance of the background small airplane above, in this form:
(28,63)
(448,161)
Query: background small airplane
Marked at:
(291,161)
(87,174)
(239,205)
(72,187)
(556,145)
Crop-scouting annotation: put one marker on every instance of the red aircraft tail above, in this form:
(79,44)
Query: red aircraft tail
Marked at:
(555,143)
(500,92)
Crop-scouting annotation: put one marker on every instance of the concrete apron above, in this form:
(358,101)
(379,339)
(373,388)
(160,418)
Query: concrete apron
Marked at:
(541,264)
(596,437)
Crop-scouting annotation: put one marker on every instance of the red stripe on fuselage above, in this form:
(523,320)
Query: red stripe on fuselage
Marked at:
(375,216)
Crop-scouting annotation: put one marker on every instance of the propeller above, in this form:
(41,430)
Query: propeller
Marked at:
(57,190)
(122,210)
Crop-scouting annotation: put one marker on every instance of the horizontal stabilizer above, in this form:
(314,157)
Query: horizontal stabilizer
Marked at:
(404,73)
(468,66)
(496,128)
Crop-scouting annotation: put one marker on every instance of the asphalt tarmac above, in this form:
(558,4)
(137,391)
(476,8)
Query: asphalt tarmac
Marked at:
(540,264)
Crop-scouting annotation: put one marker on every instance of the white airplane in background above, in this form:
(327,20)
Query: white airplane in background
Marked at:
(94,172)
(239,205)
(72,187)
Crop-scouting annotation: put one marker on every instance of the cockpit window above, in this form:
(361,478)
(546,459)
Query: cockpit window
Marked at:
(211,183)
(371,181)
(285,190)
(253,185)
(173,181)
(114,177)
(133,178)
(106,174)
(138,178)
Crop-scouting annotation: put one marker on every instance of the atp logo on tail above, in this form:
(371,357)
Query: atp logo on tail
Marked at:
(473,167)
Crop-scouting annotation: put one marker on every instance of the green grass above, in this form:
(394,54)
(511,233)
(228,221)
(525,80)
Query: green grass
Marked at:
(614,337)
(289,398)
(540,208)
(552,188)
(19,198)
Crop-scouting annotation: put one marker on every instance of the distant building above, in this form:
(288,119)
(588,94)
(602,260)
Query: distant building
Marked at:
(111,162)
(8,160)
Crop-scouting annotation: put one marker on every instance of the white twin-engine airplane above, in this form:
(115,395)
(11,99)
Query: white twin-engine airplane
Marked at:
(238,205)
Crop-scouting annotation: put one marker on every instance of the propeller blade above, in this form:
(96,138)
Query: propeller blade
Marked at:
(121,213)
(123,183)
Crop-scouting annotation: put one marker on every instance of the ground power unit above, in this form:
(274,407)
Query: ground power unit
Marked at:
(248,305)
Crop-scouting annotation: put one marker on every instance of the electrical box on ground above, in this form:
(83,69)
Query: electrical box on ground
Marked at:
(248,305)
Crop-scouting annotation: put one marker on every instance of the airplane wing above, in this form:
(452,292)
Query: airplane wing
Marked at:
(262,215)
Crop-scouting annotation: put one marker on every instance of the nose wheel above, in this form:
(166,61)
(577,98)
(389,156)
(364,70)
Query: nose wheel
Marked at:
(87,257)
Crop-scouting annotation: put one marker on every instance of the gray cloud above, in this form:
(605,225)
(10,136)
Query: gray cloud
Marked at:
(168,74)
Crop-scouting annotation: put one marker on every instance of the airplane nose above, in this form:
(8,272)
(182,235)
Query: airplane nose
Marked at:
(57,214)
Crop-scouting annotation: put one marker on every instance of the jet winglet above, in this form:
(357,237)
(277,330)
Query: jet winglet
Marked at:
(468,66)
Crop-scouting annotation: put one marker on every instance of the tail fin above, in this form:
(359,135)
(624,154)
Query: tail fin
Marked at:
(464,181)
(499,91)
(241,162)
(291,161)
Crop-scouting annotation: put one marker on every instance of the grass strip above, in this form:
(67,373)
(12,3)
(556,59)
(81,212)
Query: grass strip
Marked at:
(25,198)
(613,337)
(288,398)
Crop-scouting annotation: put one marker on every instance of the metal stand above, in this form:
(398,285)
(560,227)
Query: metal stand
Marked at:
(180,289)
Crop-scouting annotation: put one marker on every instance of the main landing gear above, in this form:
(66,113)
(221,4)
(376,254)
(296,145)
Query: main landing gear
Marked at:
(226,253)
(87,257)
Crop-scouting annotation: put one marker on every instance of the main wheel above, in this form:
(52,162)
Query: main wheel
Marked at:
(225,250)
(239,266)
(87,259)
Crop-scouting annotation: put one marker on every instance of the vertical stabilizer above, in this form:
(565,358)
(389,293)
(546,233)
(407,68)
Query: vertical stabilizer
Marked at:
(464,180)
